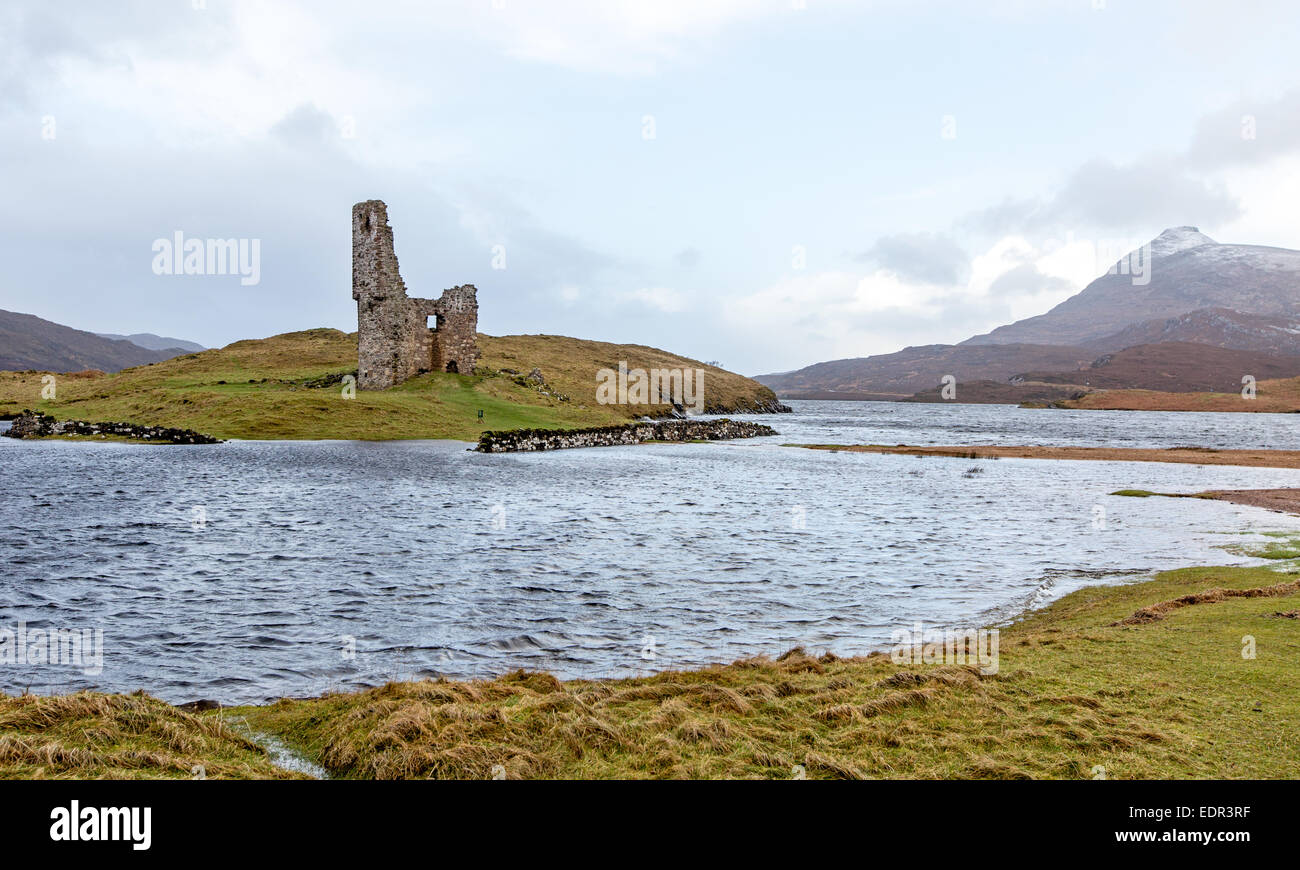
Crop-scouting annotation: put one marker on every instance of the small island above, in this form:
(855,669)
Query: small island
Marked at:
(395,378)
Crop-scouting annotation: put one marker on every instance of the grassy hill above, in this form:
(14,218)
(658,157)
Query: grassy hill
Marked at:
(286,387)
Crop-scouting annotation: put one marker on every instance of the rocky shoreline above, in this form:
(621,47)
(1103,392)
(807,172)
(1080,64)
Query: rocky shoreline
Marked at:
(677,411)
(527,440)
(746,406)
(33,424)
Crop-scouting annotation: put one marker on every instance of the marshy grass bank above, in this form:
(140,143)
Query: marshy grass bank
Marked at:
(1188,675)
(95,736)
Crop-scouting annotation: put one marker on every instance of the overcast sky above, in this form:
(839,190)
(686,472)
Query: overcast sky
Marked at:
(768,183)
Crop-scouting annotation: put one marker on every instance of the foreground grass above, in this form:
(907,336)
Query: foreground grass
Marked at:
(1140,681)
(94,736)
(265,389)
(1075,694)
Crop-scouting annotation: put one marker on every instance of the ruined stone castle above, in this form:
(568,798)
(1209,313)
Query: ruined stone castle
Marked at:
(395,339)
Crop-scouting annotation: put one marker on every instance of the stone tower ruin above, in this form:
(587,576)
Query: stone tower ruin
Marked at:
(394,338)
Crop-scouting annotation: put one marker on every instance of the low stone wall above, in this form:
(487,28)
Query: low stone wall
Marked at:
(30,424)
(523,440)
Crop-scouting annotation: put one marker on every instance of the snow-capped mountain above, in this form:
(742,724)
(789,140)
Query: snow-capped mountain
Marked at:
(1201,296)
(1187,271)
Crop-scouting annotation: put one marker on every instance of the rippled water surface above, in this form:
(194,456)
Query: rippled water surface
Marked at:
(251,570)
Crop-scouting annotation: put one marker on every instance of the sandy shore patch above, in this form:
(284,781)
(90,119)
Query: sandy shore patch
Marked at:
(1187,455)
(1286,501)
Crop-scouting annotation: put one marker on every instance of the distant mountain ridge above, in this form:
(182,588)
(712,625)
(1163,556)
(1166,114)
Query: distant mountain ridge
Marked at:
(28,342)
(1200,294)
(918,368)
(149,341)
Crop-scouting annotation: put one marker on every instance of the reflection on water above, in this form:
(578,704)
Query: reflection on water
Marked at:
(252,570)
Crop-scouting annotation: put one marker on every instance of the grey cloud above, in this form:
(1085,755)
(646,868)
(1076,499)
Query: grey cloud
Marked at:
(688,258)
(36,36)
(307,125)
(928,258)
(1154,192)
(1023,280)
(1010,215)
(1158,190)
(546,257)
(1247,132)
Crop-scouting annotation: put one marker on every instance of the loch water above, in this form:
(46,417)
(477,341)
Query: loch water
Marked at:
(252,570)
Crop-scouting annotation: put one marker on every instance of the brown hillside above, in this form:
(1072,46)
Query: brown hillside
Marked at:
(1176,367)
(1221,327)
(1277,397)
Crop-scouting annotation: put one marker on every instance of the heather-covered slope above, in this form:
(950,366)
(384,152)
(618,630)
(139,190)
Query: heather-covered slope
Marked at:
(28,342)
(1218,327)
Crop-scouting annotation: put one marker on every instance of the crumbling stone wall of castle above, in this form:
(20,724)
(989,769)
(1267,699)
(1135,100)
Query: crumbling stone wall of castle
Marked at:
(455,340)
(394,341)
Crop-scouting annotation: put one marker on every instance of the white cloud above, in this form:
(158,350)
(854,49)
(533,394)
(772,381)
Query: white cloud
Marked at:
(837,314)
(232,71)
(616,36)
(1079,261)
(1270,191)
(1005,254)
(826,315)
(664,299)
